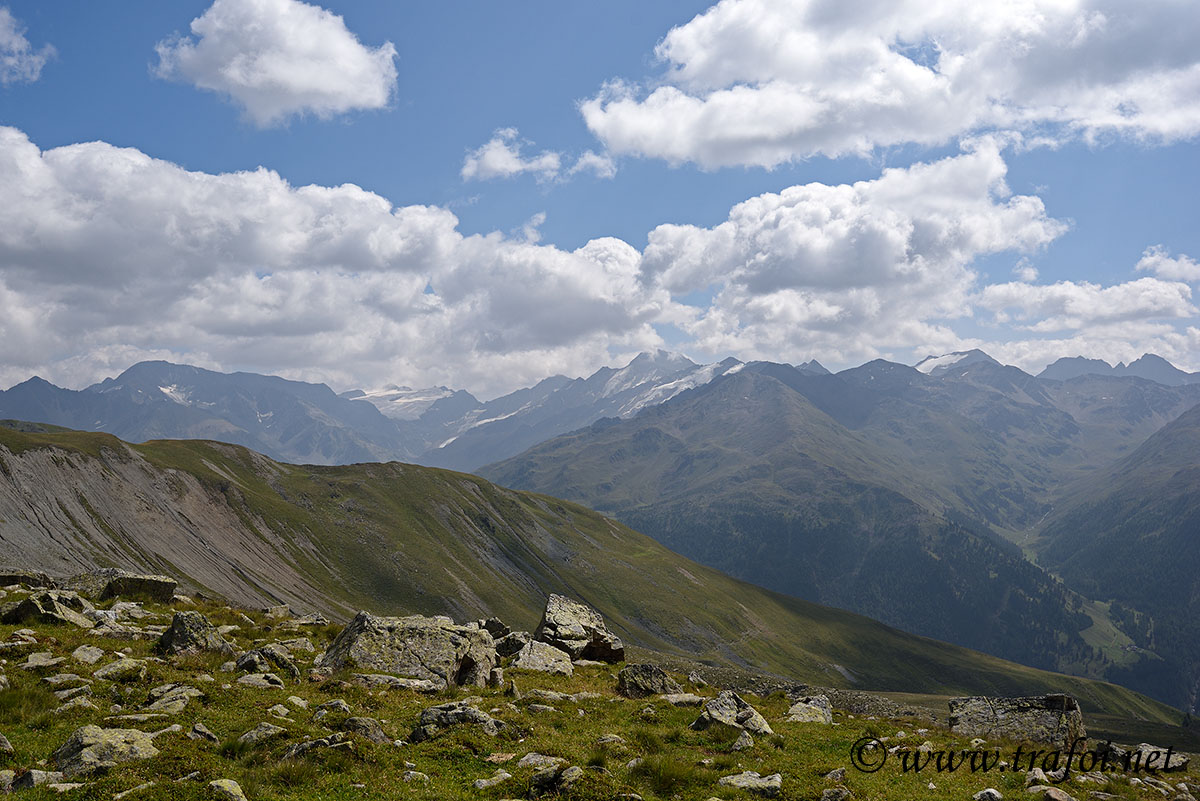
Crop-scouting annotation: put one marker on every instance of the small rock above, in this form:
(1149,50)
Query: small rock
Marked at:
(36,778)
(91,748)
(643,680)
(500,777)
(414,776)
(769,786)
(990,794)
(261,733)
(266,681)
(683,699)
(835,794)
(743,741)
(279,711)
(201,732)
(367,728)
(74,704)
(226,790)
(536,760)
(191,632)
(42,660)
(729,709)
(87,654)
(811,709)
(123,670)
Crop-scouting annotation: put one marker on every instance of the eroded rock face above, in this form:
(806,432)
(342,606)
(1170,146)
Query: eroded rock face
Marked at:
(191,632)
(728,709)
(91,748)
(416,647)
(640,681)
(579,630)
(111,582)
(1040,718)
(52,606)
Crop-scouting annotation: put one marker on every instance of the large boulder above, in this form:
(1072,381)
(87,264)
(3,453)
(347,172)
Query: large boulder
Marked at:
(544,658)
(640,681)
(579,630)
(1052,719)
(111,582)
(91,748)
(414,647)
(190,633)
(728,709)
(51,606)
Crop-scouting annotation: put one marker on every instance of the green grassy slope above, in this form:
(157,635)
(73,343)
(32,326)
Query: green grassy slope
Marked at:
(400,539)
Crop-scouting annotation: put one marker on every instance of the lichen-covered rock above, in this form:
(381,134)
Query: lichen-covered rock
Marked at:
(728,709)
(1041,718)
(191,632)
(437,718)
(51,606)
(171,699)
(811,709)
(544,658)
(641,681)
(367,728)
(90,748)
(261,660)
(769,786)
(261,733)
(579,630)
(111,582)
(414,647)
(122,670)
(226,790)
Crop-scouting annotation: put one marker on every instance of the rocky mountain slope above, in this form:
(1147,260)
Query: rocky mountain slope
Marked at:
(403,539)
(875,489)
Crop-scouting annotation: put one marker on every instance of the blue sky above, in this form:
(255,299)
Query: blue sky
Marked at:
(269,188)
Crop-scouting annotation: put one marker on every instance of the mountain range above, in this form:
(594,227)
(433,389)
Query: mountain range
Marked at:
(884,489)
(893,491)
(404,539)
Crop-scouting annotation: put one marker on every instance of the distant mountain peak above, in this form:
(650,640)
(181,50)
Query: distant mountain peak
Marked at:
(1149,366)
(936,365)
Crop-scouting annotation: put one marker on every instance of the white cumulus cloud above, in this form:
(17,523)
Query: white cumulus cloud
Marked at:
(19,61)
(766,82)
(280,58)
(1159,261)
(107,251)
(500,157)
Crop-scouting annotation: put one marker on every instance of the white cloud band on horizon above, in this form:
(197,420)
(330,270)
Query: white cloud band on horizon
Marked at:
(107,254)
(280,58)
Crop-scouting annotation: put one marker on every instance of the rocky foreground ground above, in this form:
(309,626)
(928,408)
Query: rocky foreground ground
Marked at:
(114,686)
